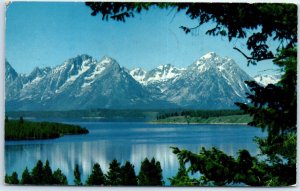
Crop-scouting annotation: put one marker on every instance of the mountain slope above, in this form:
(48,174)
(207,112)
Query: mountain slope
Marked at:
(211,82)
(81,83)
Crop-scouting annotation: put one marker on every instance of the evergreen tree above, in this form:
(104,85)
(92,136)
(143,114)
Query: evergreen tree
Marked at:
(150,173)
(182,178)
(21,120)
(6,180)
(96,177)
(59,178)
(26,177)
(77,178)
(47,174)
(37,173)
(13,179)
(128,175)
(113,176)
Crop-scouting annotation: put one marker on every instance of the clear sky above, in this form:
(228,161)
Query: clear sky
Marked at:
(46,34)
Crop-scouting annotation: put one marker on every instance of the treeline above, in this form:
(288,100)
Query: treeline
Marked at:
(200,113)
(39,175)
(28,130)
(150,175)
(105,114)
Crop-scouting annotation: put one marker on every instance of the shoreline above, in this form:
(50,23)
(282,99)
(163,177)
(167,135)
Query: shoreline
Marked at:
(181,123)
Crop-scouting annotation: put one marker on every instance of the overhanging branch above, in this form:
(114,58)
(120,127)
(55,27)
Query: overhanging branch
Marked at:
(254,58)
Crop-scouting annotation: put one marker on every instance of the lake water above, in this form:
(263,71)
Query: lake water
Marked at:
(132,141)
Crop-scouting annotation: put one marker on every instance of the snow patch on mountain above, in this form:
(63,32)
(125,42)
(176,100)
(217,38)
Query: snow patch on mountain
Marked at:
(138,74)
(266,79)
(162,73)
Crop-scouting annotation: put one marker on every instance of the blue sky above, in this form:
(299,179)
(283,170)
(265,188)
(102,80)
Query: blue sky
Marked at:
(46,34)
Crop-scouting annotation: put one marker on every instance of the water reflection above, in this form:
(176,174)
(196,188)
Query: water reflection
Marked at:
(132,142)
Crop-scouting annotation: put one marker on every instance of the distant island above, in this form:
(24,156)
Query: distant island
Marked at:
(27,130)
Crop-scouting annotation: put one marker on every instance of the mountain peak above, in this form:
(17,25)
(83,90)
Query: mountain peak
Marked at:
(106,59)
(167,66)
(138,74)
(209,55)
(39,72)
(10,73)
(81,58)
(138,70)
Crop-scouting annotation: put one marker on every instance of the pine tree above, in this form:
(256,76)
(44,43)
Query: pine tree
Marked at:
(96,177)
(6,180)
(59,178)
(77,178)
(21,120)
(37,173)
(26,177)
(114,174)
(150,173)
(13,179)
(128,175)
(182,178)
(47,174)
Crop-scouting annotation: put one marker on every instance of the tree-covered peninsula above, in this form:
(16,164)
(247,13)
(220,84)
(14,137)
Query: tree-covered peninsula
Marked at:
(27,130)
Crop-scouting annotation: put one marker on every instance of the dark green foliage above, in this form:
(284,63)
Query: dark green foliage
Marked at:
(77,176)
(26,177)
(113,176)
(274,108)
(40,175)
(219,169)
(47,174)
(116,176)
(97,177)
(128,175)
(182,178)
(37,174)
(59,178)
(6,179)
(27,130)
(13,179)
(150,173)
(200,113)
(21,120)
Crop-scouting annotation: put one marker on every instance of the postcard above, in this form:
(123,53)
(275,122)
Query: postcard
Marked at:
(150,94)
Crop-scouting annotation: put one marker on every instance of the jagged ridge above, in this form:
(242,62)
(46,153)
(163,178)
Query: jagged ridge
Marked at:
(211,82)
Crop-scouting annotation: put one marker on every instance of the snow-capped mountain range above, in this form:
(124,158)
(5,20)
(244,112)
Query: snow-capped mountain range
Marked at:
(211,82)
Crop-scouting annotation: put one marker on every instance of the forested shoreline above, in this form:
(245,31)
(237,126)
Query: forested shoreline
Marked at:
(27,130)
(231,119)
(204,117)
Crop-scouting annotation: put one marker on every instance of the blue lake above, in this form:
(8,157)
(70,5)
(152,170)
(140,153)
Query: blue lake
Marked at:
(132,141)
